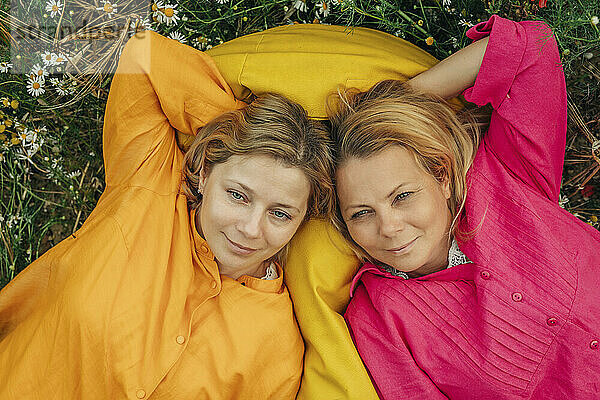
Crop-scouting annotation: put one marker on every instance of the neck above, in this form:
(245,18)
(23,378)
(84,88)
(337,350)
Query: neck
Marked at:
(255,271)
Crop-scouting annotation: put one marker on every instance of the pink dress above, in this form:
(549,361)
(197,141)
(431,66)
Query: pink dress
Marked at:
(523,320)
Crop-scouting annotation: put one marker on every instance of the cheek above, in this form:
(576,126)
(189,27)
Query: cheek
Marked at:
(279,236)
(363,234)
(217,212)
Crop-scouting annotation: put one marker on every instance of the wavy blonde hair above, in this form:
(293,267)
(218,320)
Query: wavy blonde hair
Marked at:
(442,139)
(271,125)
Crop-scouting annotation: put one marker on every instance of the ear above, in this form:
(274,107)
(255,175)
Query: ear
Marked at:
(202,181)
(446,188)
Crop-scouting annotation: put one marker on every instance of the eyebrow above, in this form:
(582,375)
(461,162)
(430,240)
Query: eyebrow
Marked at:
(252,193)
(364,205)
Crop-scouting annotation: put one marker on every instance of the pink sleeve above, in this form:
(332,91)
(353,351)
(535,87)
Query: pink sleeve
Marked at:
(521,76)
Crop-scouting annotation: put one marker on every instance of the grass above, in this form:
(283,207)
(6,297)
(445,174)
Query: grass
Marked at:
(51,171)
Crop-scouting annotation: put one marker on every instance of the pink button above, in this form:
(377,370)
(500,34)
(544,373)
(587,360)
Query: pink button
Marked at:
(594,344)
(485,275)
(551,321)
(517,296)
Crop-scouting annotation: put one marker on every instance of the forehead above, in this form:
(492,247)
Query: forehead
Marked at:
(379,173)
(267,177)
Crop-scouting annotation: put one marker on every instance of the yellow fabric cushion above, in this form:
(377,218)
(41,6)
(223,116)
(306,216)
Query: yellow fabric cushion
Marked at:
(306,63)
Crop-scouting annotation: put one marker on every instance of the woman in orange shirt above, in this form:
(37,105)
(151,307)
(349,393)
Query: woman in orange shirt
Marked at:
(173,288)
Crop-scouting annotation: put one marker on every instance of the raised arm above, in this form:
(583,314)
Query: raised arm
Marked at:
(160,84)
(451,76)
(520,75)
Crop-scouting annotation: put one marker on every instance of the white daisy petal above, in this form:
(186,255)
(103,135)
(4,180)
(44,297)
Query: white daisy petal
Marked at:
(300,5)
(177,36)
(5,67)
(323,8)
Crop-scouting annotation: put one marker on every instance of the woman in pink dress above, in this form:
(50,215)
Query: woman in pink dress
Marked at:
(476,283)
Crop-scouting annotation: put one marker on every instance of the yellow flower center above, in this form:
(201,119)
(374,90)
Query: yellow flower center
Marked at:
(54,7)
(36,85)
(40,72)
(2,129)
(169,12)
(108,7)
(5,102)
(429,41)
(14,104)
(48,57)
(15,141)
(23,136)
(154,7)
(59,59)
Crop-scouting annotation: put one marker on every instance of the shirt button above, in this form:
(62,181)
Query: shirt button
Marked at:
(213,284)
(485,275)
(140,394)
(594,344)
(517,296)
(551,321)
(180,339)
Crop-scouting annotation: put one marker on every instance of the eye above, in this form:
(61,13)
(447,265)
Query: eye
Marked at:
(402,196)
(281,215)
(235,195)
(359,214)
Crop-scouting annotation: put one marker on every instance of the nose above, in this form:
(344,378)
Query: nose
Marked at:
(251,224)
(391,223)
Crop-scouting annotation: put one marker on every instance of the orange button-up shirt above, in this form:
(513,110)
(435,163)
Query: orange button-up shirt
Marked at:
(132,305)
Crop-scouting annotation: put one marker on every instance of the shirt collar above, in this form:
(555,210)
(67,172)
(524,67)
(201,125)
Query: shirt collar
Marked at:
(455,258)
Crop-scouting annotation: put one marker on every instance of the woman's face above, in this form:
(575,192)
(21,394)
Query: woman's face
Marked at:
(251,208)
(396,211)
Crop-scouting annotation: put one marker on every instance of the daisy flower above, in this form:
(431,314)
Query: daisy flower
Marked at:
(60,58)
(300,5)
(177,36)
(323,8)
(595,20)
(49,58)
(35,87)
(28,137)
(465,23)
(221,1)
(54,7)
(168,14)
(38,72)
(5,67)
(155,8)
(62,87)
(139,25)
(108,7)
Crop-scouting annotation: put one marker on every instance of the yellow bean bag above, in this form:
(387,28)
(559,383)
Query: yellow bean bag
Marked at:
(306,63)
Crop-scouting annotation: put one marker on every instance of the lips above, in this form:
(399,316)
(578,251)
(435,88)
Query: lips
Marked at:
(238,248)
(404,248)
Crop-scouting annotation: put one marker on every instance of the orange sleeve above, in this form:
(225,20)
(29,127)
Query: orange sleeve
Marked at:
(160,85)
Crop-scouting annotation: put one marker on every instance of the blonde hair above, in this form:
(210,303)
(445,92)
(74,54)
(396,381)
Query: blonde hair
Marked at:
(442,140)
(273,126)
